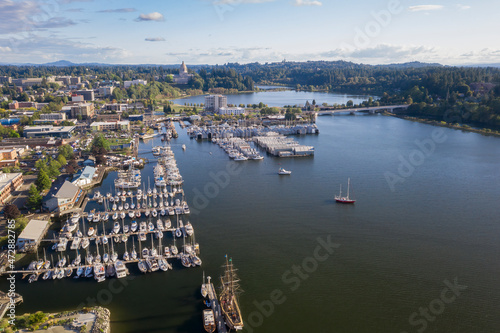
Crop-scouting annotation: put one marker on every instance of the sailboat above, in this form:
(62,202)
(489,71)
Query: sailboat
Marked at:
(228,297)
(347,199)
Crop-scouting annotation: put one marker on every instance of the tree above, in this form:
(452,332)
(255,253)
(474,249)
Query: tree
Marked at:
(62,160)
(34,198)
(54,167)
(11,211)
(66,151)
(100,142)
(43,181)
(100,159)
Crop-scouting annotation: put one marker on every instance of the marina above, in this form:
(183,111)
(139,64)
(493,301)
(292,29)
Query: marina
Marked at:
(147,213)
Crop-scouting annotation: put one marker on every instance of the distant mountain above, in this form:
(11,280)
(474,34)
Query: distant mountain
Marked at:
(59,63)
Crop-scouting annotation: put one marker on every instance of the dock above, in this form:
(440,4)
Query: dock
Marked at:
(214,303)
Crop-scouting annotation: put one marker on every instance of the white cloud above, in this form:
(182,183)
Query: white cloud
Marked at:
(463,7)
(5,49)
(154,39)
(426,8)
(308,3)
(155,16)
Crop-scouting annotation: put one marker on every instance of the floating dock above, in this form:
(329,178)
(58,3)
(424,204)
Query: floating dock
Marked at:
(214,303)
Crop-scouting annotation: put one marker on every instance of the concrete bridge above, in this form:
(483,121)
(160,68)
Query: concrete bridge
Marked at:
(372,109)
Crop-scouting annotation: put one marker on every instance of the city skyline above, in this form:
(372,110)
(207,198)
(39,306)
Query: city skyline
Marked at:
(244,31)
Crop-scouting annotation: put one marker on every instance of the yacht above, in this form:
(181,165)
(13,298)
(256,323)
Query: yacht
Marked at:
(116,228)
(282,171)
(120,269)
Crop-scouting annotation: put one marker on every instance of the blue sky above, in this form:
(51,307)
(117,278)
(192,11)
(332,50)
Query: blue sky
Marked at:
(220,31)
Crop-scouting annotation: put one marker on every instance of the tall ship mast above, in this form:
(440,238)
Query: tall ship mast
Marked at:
(228,296)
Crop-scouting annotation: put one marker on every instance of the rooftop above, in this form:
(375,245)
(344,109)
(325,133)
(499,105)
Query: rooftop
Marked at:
(68,190)
(34,229)
(7,178)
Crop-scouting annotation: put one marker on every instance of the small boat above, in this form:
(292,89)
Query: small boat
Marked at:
(115,216)
(105,258)
(91,232)
(88,271)
(79,271)
(174,250)
(163,264)
(347,199)
(209,320)
(189,229)
(282,171)
(33,278)
(142,266)
(204,287)
(68,272)
(186,262)
(133,226)
(126,228)
(145,252)
(142,236)
(85,243)
(126,256)
(47,275)
(168,224)
(131,214)
(116,228)
(151,226)
(196,260)
(183,147)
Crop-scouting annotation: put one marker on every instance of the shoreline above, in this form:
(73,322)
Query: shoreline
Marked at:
(484,131)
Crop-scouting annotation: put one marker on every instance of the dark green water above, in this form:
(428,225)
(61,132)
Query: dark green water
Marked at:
(393,249)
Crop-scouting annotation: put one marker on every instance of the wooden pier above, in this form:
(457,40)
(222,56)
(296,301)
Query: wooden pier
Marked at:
(214,303)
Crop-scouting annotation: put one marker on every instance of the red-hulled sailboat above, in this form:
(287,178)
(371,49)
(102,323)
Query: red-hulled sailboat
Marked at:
(346,199)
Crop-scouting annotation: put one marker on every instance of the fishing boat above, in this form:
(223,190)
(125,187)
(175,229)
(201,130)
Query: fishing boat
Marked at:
(282,171)
(209,320)
(345,199)
(228,297)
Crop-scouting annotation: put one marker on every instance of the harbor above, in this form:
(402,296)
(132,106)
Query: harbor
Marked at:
(92,251)
(270,223)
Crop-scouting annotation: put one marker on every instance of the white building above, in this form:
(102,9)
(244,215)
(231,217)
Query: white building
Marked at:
(127,84)
(231,110)
(32,234)
(183,77)
(214,102)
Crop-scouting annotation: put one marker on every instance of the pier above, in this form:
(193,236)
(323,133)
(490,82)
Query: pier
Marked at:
(214,303)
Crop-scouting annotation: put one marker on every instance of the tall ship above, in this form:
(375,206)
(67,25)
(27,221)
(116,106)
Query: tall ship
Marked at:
(228,296)
(345,199)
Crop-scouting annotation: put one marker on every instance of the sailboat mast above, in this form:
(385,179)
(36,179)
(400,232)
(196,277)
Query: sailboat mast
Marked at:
(348,185)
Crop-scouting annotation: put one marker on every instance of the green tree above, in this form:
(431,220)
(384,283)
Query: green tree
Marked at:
(43,181)
(66,151)
(62,160)
(34,198)
(54,167)
(100,142)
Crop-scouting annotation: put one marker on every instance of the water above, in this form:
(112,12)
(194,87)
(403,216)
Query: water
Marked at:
(395,248)
(281,98)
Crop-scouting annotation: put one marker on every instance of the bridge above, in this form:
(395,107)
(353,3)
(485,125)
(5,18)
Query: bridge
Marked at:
(325,110)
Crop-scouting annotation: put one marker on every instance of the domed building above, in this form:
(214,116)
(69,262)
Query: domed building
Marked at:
(183,77)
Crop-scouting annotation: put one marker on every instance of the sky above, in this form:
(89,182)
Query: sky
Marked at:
(244,31)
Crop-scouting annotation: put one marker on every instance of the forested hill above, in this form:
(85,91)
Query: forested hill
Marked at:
(348,76)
